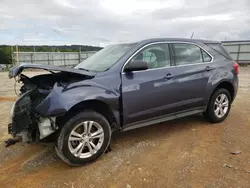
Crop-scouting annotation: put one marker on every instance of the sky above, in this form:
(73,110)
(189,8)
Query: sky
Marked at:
(104,22)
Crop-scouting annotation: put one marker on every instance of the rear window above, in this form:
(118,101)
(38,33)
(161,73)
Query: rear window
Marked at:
(187,54)
(217,47)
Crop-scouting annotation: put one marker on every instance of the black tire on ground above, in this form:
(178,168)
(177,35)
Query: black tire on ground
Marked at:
(62,148)
(209,114)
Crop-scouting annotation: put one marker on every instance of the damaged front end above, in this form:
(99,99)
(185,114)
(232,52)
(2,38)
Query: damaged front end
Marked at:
(27,122)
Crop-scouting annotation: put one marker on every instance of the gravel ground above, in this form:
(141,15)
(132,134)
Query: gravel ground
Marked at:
(182,153)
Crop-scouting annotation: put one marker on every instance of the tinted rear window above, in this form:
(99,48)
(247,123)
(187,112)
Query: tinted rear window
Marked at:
(217,47)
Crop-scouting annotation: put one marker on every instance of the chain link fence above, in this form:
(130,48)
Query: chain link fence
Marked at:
(68,59)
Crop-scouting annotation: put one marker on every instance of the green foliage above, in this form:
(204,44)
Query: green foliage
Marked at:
(5,55)
(45,48)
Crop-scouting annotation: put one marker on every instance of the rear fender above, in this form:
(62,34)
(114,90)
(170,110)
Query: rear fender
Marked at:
(219,77)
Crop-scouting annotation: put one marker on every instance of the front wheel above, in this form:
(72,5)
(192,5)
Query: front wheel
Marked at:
(84,138)
(219,106)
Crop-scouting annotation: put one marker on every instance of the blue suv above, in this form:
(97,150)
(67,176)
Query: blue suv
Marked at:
(122,87)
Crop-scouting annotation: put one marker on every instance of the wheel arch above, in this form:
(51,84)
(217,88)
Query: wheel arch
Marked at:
(226,85)
(95,105)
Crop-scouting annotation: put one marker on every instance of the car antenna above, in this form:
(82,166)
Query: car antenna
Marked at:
(192,35)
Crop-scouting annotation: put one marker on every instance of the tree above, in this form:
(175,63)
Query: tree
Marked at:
(5,55)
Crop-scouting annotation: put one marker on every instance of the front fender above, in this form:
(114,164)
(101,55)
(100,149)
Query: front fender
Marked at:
(63,98)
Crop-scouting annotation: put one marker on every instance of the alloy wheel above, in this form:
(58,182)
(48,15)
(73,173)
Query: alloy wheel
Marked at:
(221,105)
(86,139)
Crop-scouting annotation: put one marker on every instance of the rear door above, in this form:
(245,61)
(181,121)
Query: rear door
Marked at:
(190,73)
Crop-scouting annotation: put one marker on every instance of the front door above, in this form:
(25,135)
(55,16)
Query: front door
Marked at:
(148,93)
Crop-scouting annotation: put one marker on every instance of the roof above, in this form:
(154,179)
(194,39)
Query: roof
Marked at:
(150,40)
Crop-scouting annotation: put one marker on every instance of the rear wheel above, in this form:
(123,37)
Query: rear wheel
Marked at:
(219,106)
(84,138)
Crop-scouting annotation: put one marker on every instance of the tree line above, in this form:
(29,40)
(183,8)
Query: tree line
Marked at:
(6,51)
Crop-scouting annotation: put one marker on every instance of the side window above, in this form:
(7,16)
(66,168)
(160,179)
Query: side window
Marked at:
(187,54)
(206,57)
(156,56)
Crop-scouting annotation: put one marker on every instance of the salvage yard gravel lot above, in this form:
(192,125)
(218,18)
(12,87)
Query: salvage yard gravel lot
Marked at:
(188,152)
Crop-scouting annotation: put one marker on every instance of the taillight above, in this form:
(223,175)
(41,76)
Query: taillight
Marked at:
(236,67)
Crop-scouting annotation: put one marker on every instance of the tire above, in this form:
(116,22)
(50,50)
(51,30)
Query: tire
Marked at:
(71,146)
(212,113)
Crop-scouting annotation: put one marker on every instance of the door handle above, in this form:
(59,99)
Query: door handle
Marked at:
(208,68)
(168,76)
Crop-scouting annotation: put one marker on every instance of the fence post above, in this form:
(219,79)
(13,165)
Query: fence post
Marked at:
(64,62)
(238,54)
(79,54)
(17,59)
(52,59)
(48,59)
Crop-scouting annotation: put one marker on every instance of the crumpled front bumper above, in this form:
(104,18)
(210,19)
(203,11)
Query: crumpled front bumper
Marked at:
(45,126)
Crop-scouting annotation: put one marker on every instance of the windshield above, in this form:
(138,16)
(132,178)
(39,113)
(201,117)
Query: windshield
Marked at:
(105,58)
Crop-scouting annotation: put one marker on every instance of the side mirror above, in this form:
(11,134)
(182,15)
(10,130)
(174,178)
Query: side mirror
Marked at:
(136,65)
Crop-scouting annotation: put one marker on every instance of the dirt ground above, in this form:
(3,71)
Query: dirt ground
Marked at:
(185,153)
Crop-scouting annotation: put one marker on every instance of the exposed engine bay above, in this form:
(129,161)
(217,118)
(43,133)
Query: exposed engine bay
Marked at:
(26,124)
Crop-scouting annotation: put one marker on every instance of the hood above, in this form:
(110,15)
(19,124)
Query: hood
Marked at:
(15,71)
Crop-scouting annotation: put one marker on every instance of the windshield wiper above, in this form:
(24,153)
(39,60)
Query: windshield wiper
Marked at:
(83,69)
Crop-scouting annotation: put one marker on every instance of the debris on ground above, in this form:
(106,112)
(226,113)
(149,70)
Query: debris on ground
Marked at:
(248,171)
(227,165)
(236,152)
(193,129)
(12,141)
